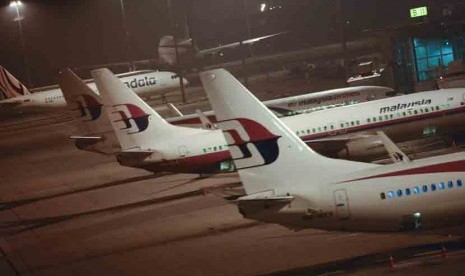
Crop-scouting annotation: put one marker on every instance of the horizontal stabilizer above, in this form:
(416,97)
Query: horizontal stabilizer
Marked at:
(135,154)
(10,104)
(89,138)
(266,200)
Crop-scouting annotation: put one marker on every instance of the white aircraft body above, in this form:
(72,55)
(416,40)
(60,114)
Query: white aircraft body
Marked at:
(305,103)
(288,183)
(350,129)
(147,141)
(51,97)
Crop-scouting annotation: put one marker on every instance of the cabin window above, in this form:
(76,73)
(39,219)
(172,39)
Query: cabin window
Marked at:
(220,147)
(415,112)
(368,120)
(426,109)
(358,122)
(399,193)
(380,118)
(383,196)
(391,194)
(308,131)
(342,125)
(325,127)
(391,116)
(214,148)
(437,108)
(459,183)
(433,187)
(404,114)
(204,150)
(313,130)
(416,190)
(425,188)
(332,127)
(352,123)
(450,184)
(374,119)
(386,117)
(441,186)
(407,191)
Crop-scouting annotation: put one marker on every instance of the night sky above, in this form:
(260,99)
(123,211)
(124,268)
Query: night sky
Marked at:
(79,33)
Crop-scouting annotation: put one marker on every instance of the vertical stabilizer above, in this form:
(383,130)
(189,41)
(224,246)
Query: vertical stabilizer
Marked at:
(84,104)
(94,132)
(267,154)
(10,86)
(136,124)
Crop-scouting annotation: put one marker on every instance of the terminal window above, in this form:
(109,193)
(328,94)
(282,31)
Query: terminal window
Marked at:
(432,55)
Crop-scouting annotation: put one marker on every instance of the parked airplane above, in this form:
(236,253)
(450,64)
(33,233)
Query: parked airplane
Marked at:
(288,183)
(148,142)
(51,97)
(350,131)
(93,131)
(305,103)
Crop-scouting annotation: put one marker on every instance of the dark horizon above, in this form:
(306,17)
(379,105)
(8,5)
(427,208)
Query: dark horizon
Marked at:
(60,33)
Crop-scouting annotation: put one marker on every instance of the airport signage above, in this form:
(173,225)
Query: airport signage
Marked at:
(417,12)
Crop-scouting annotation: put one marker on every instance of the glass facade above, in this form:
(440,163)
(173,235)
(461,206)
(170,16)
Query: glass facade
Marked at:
(432,55)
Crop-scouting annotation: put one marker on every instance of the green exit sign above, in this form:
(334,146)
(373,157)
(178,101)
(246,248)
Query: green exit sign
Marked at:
(417,12)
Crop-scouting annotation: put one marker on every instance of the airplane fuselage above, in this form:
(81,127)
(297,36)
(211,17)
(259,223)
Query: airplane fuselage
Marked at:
(425,194)
(441,110)
(144,83)
(305,103)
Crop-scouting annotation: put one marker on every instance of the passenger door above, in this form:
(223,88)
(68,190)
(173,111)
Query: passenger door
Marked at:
(341,201)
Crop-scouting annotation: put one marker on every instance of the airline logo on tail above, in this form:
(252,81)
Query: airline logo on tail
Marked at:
(89,108)
(250,143)
(10,87)
(133,117)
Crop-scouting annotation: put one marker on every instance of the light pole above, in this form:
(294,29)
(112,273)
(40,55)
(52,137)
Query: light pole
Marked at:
(174,28)
(127,49)
(17,5)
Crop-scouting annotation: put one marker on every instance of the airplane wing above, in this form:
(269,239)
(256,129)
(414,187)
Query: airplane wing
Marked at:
(236,44)
(206,123)
(10,104)
(335,144)
(396,154)
(173,109)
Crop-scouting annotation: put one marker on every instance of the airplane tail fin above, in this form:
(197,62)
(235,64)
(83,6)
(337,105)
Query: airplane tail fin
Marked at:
(135,123)
(94,129)
(269,157)
(10,86)
(84,104)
